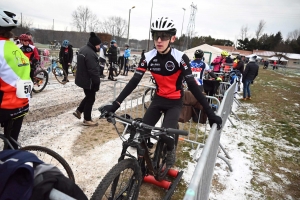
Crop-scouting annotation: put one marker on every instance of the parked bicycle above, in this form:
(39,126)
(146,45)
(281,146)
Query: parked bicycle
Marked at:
(47,155)
(40,78)
(57,70)
(124,179)
(116,68)
(133,63)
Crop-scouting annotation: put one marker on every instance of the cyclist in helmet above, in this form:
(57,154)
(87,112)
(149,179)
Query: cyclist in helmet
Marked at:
(168,67)
(66,57)
(112,52)
(15,83)
(126,56)
(219,61)
(31,52)
(199,68)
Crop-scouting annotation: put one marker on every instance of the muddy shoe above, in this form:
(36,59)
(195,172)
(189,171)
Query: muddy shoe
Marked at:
(77,114)
(90,123)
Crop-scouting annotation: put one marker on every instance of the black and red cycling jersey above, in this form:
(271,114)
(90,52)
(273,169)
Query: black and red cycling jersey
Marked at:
(168,70)
(31,52)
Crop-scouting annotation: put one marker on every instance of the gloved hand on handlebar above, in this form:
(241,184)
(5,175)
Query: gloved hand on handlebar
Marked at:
(105,110)
(215,119)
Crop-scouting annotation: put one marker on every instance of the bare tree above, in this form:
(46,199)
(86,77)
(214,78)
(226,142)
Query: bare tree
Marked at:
(260,29)
(244,32)
(25,22)
(294,35)
(94,23)
(115,26)
(82,17)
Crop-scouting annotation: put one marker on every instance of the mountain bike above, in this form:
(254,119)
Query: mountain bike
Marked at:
(57,70)
(116,68)
(40,78)
(124,179)
(47,155)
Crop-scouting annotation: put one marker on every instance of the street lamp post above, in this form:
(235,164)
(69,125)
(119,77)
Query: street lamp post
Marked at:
(129,24)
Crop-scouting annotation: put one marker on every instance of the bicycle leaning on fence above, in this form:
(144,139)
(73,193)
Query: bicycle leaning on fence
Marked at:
(57,70)
(124,179)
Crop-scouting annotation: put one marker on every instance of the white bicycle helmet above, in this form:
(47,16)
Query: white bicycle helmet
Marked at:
(7,19)
(163,24)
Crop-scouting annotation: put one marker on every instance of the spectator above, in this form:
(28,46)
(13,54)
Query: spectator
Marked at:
(266,64)
(275,65)
(126,56)
(66,57)
(250,73)
(87,77)
(165,63)
(102,58)
(143,53)
(219,61)
(15,83)
(112,52)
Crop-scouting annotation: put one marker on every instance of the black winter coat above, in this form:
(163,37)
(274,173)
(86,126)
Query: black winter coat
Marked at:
(251,71)
(66,56)
(112,52)
(240,66)
(87,74)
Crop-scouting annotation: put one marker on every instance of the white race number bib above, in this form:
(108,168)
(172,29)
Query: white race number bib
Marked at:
(24,88)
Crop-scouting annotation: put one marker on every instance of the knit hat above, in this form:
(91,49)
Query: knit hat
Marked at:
(94,40)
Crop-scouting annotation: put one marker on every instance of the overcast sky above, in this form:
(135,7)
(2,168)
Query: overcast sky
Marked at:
(217,18)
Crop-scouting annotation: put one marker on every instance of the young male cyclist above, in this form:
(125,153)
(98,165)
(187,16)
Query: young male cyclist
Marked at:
(168,67)
(15,83)
(199,68)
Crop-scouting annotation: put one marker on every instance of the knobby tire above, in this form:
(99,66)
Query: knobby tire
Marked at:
(38,80)
(113,177)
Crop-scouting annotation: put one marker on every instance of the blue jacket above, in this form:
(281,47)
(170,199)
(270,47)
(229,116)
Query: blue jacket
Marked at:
(127,53)
(16,175)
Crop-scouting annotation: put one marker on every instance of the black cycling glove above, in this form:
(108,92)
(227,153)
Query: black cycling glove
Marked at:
(105,110)
(215,119)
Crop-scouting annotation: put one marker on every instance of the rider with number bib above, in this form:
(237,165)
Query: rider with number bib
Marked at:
(15,83)
(168,67)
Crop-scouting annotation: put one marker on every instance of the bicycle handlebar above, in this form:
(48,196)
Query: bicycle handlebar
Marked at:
(139,124)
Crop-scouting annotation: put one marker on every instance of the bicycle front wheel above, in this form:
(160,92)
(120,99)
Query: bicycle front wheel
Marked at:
(40,81)
(123,181)
(51,157)
(60,74)
(148,97)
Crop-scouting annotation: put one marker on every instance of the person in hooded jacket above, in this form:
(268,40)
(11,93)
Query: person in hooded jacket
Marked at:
(87,77)
(66,57)
(112,52)
(250,73)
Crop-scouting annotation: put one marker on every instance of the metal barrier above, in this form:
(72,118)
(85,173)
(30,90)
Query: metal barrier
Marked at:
(200,183)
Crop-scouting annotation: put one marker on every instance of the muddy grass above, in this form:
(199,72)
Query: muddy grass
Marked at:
(277,98)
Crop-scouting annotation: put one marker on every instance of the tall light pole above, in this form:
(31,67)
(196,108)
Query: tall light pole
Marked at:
(129,24)
(182,21)
(150,26)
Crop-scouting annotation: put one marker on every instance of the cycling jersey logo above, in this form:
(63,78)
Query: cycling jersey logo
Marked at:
(170,66)
(184,64)
(20,60)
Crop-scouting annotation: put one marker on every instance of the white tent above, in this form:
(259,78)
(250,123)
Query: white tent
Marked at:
(257,57)
(276,58)
(206,48)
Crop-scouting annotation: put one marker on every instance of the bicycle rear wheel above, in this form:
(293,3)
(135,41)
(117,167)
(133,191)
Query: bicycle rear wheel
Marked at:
(59,74)
(160,160)
(148,97)
(40,81)
(123,181)
(51,157)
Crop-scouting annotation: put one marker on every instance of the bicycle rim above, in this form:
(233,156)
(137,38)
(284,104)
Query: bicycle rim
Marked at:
(121,182)
(40,81)
(51,157)
(116,70)
(59,74)
(160,158)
